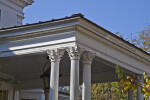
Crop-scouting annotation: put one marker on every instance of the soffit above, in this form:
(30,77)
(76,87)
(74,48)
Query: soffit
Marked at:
(30,67)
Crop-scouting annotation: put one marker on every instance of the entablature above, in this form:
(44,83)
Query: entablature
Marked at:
(69,33)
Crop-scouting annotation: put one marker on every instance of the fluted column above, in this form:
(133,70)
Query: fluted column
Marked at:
(140,79)
(86,86)
(55,57)
(130,95)
(74,54)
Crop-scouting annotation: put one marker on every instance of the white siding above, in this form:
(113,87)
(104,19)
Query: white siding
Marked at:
(11,14)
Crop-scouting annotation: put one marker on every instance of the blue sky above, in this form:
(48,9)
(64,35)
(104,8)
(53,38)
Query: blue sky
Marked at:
(124,16)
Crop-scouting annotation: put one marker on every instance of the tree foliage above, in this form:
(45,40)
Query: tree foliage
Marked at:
(146,87)
(143,39)
(129,83)
(108,90)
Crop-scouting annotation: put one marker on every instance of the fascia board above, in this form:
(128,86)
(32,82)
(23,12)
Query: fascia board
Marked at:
(108,37)
(114,56)
(92,42)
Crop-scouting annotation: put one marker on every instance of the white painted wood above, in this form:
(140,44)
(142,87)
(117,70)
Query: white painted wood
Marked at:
(99,32)
(86,85)
(90,37)
(54,81)
(106,47)
(12,12)
(111,52)
(140,96)
(55,57)
(37,29)
(74,54)
(140,79)
(16,95)
(37,44)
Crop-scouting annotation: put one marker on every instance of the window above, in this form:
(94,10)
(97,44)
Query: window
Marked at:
(3,95)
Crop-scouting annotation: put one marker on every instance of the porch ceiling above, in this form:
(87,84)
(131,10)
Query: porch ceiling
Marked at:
(28,68)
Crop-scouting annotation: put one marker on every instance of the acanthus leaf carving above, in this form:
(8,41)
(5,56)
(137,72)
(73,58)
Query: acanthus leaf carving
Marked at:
(88,57)
(75,52)
(55,55)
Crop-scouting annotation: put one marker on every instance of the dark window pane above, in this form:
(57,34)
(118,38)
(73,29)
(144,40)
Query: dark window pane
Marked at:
(3,95)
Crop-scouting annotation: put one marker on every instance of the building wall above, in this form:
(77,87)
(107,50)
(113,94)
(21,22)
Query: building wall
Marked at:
(7,86)
(11,14)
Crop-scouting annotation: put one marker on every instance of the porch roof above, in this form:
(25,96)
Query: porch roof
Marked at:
(79,15)
(23,50)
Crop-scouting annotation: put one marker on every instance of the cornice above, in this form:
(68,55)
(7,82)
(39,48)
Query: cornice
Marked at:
(104,34)
(115,60)
(112,39)
(113,45)
(53,22)
(36,34)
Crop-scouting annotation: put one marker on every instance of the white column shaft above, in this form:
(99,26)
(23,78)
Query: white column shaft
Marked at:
(86,89)
(16,95)
(130,95)
(55,57)
(87,61)
(74,79)
(74,54)
(140,96)
(140,79)
(54,81)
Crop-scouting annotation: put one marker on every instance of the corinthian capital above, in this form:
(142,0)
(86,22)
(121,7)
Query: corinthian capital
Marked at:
(88,57)
(55,55)
(75,52)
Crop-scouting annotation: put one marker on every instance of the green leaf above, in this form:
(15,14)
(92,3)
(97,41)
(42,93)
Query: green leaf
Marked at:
(120,75)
